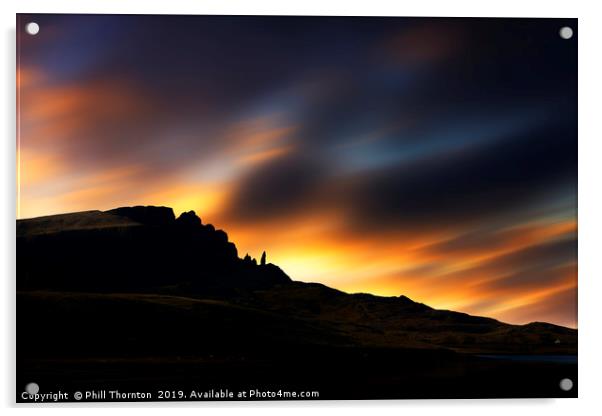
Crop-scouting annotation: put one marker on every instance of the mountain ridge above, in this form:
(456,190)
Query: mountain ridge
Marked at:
(165,250)
(136,299)
(144,215)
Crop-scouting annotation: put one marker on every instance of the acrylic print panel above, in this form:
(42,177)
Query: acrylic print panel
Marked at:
(295,208)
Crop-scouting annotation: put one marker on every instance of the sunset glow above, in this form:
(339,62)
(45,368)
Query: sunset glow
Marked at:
(385,158)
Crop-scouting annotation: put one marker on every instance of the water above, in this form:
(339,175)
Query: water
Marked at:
(542,358)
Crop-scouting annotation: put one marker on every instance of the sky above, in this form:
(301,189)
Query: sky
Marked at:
(431,158)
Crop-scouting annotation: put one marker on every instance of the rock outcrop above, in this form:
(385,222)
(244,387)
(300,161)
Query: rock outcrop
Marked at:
(142,248)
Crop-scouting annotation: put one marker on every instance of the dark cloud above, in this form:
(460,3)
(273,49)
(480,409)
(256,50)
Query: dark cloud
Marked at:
(396,124)
(342,77)
(547,255)
(468,186)
(284,187)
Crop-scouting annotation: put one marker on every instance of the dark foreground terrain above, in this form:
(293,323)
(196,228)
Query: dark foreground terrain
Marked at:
(135,300)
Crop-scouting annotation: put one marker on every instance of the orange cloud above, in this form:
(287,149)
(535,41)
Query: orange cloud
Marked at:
(450,268)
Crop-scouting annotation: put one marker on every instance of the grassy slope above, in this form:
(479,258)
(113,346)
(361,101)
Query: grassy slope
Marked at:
(144,342)
(298,314)
(84,220)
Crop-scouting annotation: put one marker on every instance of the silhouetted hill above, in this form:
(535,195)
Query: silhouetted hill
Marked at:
(145,249)
(135,295)
(399,321)
(149,215)
(133,249)
(86,220)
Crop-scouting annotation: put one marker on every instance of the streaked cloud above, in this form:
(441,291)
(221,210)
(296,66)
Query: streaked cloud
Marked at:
(393,156)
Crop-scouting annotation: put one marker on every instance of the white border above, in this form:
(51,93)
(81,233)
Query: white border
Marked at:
(590,209)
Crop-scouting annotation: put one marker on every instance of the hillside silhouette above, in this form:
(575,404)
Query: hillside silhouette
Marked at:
(134,249)
(135,296)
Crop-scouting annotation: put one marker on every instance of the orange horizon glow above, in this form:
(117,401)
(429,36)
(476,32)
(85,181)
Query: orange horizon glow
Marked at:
(316,244)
